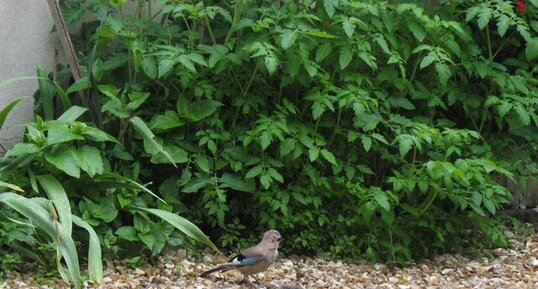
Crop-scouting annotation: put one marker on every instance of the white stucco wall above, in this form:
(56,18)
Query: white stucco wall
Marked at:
(25,44)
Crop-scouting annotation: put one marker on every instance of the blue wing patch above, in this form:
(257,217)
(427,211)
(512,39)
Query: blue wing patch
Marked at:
(249,260)
(245,261)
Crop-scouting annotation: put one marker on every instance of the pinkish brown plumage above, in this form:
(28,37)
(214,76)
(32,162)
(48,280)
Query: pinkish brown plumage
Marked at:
(254,259)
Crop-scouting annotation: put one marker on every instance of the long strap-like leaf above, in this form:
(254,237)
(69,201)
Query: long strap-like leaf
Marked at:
(95,261)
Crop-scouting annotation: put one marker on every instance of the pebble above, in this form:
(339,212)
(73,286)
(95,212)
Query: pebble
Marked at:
(506,268)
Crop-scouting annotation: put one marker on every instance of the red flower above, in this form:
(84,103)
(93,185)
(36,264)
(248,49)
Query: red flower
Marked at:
(521,6)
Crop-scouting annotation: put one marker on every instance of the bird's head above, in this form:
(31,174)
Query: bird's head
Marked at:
(273,236)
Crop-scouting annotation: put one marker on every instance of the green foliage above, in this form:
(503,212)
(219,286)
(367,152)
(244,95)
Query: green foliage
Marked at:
(74,152)
(372,125)
(53,217)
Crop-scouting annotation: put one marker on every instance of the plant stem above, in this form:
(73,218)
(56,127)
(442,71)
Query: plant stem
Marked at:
(504,43)
(433,196)
(148,16)
(245,91)
(210,30)
(415,67)
(337,125)
(392,246)
(237,14)
(488,43)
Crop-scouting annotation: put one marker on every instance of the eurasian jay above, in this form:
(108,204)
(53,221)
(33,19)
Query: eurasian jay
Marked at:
(254,259)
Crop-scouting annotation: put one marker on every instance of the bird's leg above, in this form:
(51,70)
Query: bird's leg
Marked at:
(256,279)
(246,281)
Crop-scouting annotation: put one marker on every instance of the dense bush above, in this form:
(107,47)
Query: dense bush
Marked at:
(358,128)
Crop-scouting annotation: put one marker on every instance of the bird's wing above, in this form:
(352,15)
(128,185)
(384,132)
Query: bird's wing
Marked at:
(243,260)
(249,256)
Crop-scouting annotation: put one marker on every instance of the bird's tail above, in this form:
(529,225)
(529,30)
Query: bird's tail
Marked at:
(222,267)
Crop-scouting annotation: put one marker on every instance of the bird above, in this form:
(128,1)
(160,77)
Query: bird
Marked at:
(254,259)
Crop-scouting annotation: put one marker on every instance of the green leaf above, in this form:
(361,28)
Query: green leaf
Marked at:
(418,31)
(137,98)
(443,72)
(330,6)
(150,144)
(504,108)
(323,51)
(57,195)
(349,28)
(400,101)
(109,90)
(178,154)
(531,51)
(116,108)
(59,132)
(116,180)
(346,55)
(196,184)
(266,181)
(275,175)
(5,111)
(313,154)
(255,171)
(288,38)
(165,66)
(236,183)
(522,115)
(311,68)
(366,142)
(321,34)
(89,159)
(23,149)
(127,232)
(64,159)
(41,218)
(186,62)
(150,68)
(81,84)
(428,59)
(98,135)
(46,92)
(166,121)
(197,58)
(365,170)
(95,261)
(405,146)
(328,156)
(183,225)
(476,197)
(117,3)
(73,113)
(503,22)
(202,162)
(271,63)
(490,206)
(104,210)
(477,209)
(483,18)
(201,109)
(381,200)
(11,186)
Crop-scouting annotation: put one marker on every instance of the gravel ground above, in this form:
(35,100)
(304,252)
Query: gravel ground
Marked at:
(508,268)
